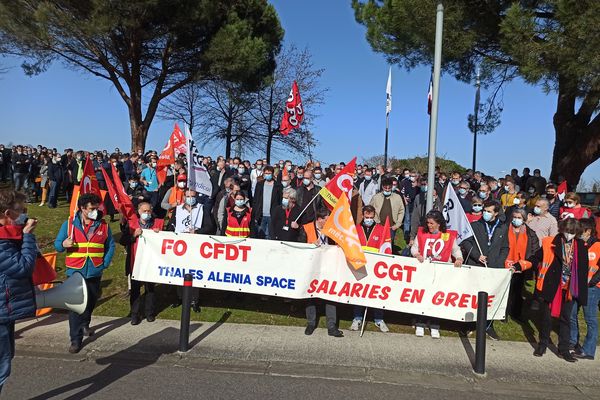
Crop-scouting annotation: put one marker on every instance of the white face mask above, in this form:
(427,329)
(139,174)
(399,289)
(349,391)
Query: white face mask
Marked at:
(181,185)
(516,201)
(569,236)
(93,215)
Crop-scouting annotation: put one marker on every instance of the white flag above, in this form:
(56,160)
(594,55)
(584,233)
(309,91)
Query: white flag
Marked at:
(198,177)
(455,216)
(388,92)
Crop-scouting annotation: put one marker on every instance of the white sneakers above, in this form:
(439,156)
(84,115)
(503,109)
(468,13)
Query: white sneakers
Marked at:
(356,324)
(435,333)
(419,331)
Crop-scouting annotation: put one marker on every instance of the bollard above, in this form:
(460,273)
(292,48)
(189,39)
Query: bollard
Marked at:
(186,305)
(482,301)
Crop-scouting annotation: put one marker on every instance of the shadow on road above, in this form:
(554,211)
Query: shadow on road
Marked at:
(210,330)
(118,366)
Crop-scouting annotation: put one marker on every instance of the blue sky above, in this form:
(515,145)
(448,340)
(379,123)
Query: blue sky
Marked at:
(67,108)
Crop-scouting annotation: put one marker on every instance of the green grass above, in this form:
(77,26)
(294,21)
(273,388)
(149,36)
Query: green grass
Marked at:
(235,307)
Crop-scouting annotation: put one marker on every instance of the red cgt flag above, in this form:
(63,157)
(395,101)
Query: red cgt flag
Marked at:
(294,112)
(385,246)
(561,190)
(175,146)
(341,183)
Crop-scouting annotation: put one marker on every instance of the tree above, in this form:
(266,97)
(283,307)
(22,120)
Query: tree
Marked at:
(147,49)
(418,163)
(183,105)
(269,101)
(551,43)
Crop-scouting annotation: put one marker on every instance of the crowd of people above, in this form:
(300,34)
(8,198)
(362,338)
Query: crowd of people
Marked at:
(519,222)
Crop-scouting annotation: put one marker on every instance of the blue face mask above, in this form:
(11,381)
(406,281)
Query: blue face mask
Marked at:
(369,221)
(317,176)
(477,208)
(21,219)
(462,191)
(517,222)
(240,203)
(483,195)
(424,188)
(268,177)
(285,202)
(487,216)
(306,182)
(387,193)
(368,177)
(190,201)
(146,216)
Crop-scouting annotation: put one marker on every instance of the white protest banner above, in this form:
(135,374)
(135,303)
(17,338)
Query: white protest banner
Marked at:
(198,177)
(298,270)
(455,216)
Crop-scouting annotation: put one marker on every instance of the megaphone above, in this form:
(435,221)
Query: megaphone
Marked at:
(71,295)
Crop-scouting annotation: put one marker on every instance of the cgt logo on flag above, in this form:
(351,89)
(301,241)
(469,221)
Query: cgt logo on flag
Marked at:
(343,182)
(294,112)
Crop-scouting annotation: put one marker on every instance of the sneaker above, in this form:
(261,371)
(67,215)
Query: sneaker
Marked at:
(41,205)
(435,333)
(75,348)
(420,331)
(491,333)
(356,324)
(382,326)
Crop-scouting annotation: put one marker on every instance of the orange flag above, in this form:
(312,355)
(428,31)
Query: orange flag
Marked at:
(340,227)
(341,183)
(50,259)
(175,146)
(385,246)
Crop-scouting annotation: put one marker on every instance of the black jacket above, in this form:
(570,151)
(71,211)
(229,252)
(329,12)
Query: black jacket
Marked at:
(257,202)
(303,197)
(554,274)
(55,172)
(497,249)
(278,222)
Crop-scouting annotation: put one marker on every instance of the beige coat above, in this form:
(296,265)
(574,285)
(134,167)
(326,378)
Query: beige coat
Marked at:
(397,208)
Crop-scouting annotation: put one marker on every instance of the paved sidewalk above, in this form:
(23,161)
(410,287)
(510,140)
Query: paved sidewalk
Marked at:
(286,351)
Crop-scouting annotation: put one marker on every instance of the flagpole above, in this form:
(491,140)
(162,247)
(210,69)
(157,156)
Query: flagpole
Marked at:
(388,109)
(477,85)
(437,64)
(305,208)
(387,127)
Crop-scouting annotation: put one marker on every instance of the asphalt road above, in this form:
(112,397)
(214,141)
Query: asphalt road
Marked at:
(37,377)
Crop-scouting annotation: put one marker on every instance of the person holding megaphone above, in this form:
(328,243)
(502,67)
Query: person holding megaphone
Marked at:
(18,252)
(88,242)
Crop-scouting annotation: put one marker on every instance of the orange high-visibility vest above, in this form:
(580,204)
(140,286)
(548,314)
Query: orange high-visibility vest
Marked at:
(235,228)
(439,244)
(84,248)
(547,260)
(593,256)
(374,242)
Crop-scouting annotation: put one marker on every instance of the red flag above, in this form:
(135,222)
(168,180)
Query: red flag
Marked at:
(128,210)
(89,182)
(562,190)
(175,146)
(430,95)
(385,246)
(294,112)
(341,183)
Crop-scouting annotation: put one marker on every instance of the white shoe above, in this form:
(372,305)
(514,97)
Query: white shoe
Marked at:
(382,326)
(41,205)
(435,333)
(356,324)
(420,331)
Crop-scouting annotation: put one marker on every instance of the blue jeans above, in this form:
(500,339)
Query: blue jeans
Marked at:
(263,229)
(7,350)
(53,194)
(590,314)
(359,313)
(20,180)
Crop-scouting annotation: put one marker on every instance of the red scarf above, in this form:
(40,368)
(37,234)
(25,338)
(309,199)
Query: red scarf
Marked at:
(11,232)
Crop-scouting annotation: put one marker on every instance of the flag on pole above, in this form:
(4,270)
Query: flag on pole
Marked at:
(343,182)
(385,246)
(340,227)
(455,216)
(388,93)
(175,146)
(562,190)
(198,177)
(430,95)
(88,184)
(294,112)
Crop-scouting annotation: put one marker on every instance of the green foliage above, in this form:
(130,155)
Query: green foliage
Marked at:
(418,163)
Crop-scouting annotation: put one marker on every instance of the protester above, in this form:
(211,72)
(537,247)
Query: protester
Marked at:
(314,235)
(507,199)
(368,187)
(522,244)
(573,208)
(587,351)
(239,217)
(562,278)
(308,197)
(18,251)
(284,225)
(420,208)
(542,222)
(433,231)
(370,235)
(149,179)
(129,238)
(89,245)
(267,197)
(476,209)
(175,195)
(554,203)
(388,205)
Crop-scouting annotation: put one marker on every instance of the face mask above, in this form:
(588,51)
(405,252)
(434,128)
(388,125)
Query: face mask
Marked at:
(300,176)
(487,216)
(477,208)
(531,191)
(517,222)
(506,188)
(412,179)
(569,205)
(537,210)
(387,193)
(317,176)
(114,163)
(483,195)
(424,188)
(285,184)
(241,170)
(359,171)
(516,201)
(493,187)
(259,167)
(280,165)
(289,168)
(93,215)
(153,165)
(190,201)
(181,185)
(268,177)
(455,182)
(146,216)
(240,203)
(21,219)
(394,188)
(406,176)
(462,191)
(306,182)
(285,202)
(369,221)
(368,177)
(133,185)
(569,236)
